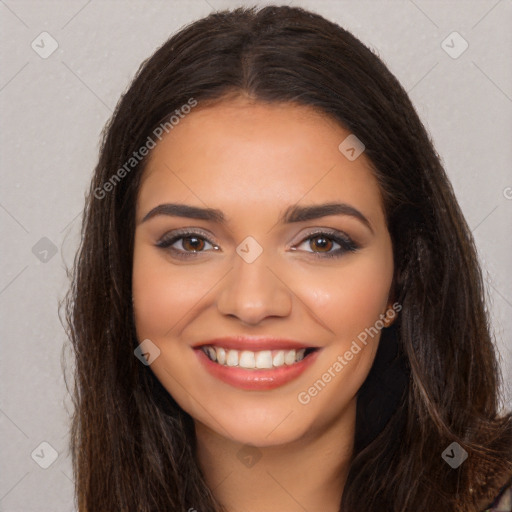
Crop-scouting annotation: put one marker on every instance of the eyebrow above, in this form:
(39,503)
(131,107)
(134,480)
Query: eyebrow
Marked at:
(292,214)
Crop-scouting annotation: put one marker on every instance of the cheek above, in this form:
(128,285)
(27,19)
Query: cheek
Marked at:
(351,297)
(163,293)
(350,304)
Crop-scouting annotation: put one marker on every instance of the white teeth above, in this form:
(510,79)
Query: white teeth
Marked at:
(264,359)
(232,358)
(278,359)
(247,359)
(221,355)
(212,353)
(289,357)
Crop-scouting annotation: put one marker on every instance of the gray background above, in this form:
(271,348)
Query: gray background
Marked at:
(54,109)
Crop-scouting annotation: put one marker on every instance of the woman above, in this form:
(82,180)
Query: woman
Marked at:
(277,303)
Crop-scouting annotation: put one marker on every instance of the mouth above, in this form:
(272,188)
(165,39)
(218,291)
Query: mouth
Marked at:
(260,360)
(258,370)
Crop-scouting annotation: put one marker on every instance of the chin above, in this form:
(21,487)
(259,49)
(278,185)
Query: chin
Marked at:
(275,429)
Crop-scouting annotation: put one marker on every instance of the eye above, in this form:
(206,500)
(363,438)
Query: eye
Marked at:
(191,242)
(324,242)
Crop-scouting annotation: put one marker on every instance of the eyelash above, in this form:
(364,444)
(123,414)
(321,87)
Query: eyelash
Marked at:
(345,242)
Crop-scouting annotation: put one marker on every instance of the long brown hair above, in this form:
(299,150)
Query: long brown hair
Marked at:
(436,370)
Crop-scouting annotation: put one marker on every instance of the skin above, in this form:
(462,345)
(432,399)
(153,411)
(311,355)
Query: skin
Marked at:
(252,160)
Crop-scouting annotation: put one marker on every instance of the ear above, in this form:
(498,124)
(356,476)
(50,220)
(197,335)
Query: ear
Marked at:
(391,313)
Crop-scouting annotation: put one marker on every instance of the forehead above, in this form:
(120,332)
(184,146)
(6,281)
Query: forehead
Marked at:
(240,154)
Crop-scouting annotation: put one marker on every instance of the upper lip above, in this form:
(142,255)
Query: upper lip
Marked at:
(253,343)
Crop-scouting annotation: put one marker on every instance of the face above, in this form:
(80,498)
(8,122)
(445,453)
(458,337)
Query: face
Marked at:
(298,293)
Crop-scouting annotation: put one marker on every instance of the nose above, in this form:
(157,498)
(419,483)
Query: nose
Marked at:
(252,292)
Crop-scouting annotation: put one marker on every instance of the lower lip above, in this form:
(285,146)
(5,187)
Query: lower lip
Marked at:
(256,380)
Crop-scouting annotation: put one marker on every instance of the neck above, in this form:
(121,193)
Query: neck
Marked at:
(308,473)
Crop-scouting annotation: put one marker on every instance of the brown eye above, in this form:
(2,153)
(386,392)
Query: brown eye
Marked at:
(195,243)
(324,244)
(184,244)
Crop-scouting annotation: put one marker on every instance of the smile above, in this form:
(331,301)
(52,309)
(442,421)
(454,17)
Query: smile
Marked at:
(259,370)
(264,359)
